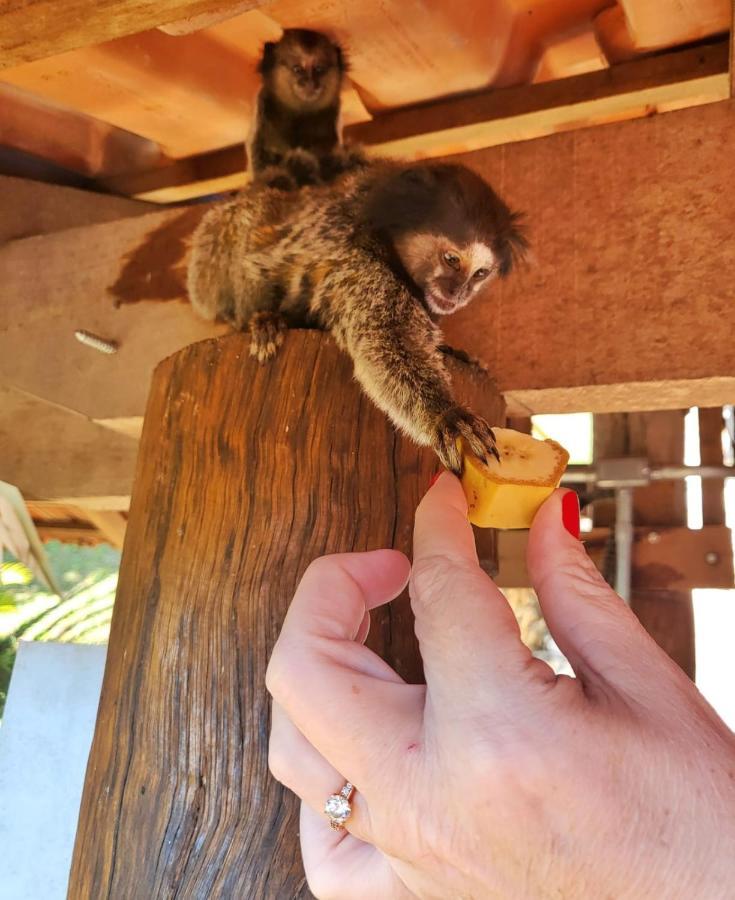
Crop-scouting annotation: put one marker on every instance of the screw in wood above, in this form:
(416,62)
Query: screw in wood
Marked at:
(95,341)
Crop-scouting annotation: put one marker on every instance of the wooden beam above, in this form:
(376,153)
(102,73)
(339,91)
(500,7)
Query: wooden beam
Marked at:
(624,306)
(113,300)
(666,558)
(71,139)
(485,119)
(111,524)
(70,534)
(31,208)
(195,176)
(463,124)
(619,396)
(53,454)
(205,20)
(660,23)
(627,265)
(34,29)
(571,54)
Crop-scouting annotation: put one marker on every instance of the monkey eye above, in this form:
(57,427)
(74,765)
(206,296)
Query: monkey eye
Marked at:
(480,274)
(451,259)
(297,69)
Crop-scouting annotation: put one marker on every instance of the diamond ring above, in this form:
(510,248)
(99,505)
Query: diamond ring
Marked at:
(337,808)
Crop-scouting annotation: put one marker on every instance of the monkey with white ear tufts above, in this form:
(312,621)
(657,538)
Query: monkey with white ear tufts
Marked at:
(375,259)
(296,135)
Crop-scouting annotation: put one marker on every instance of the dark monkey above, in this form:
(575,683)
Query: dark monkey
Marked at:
(372,259)
(296,139)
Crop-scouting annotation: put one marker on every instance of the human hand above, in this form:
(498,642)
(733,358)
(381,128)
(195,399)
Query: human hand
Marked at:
(497,779)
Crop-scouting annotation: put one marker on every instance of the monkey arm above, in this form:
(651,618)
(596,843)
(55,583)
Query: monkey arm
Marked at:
(395,348)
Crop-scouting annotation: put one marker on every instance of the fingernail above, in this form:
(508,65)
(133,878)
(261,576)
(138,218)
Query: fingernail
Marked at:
(435,478)
(570,513)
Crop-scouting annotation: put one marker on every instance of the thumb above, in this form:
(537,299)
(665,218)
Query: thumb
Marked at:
(599,635)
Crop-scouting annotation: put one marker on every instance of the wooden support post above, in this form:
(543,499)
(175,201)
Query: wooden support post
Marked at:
(711,425)
(246,473)
(666,613)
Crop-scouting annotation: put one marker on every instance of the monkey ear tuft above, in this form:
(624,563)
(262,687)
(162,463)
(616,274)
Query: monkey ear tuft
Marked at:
(514,244)
(268,58)
(343,64)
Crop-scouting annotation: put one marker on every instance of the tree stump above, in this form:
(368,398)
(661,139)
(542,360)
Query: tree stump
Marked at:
(245,474)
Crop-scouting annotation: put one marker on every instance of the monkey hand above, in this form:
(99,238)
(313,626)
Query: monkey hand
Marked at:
(458,423)
(267,331)
(302,166)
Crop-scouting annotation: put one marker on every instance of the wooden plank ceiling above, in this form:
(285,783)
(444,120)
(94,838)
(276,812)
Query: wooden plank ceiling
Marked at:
(161,105)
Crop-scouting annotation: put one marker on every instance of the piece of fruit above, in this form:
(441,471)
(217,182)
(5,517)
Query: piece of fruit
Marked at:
(507,494)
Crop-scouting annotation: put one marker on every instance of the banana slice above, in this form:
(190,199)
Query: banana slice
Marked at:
(507,494)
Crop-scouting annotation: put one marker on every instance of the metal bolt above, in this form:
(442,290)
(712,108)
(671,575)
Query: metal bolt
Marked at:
(653,537)
(711,558)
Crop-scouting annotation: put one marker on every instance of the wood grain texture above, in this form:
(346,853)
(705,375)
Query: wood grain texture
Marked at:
(34,29)
(246,474)
(711,425)
(665,612)
(667,615)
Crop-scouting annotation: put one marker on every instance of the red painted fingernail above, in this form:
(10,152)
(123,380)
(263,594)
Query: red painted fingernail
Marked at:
(570,513)
(435,478)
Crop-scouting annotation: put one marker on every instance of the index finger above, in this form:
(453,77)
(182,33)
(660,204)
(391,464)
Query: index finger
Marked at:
(346,701)
(468,634)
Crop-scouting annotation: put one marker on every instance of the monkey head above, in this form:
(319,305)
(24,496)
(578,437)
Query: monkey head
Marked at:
(304,69)
(450,231)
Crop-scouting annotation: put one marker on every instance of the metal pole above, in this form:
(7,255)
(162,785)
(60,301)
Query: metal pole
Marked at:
(623,541)
(588,475)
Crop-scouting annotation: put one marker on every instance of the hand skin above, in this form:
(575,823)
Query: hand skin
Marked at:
(496,779)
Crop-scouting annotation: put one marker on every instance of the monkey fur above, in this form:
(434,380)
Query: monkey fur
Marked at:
(296,136)
(373,259)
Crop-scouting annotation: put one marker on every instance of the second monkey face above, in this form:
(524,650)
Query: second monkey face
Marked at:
(305,69)
(450,275)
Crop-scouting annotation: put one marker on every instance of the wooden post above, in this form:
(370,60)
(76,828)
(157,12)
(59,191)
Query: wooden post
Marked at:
(246,473)
(666,613)
(711,425)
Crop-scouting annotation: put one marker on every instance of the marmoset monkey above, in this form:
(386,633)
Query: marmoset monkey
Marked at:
(296,135)
(372,259)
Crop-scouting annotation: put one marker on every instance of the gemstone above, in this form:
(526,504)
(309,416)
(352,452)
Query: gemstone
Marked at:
(338,809)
